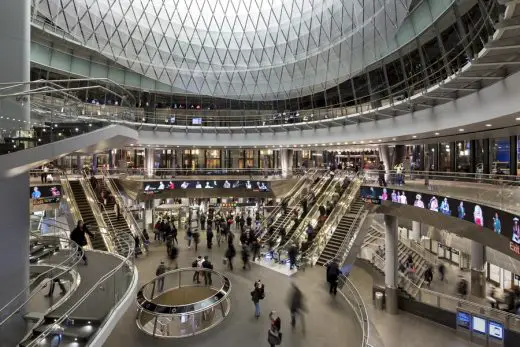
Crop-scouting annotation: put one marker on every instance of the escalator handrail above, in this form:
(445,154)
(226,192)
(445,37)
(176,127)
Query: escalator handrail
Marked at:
(335,217)
(276,232)
(76,254)
(98,214)
(300,184)
(126,212)
(312,212)
(344,248)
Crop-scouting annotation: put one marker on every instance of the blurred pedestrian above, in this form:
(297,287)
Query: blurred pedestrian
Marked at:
(296,306)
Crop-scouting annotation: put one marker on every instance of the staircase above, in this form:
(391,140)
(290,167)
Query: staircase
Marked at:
(341,232)
(119,225)
(87,215)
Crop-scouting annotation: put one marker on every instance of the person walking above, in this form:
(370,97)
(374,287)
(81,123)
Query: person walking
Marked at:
(257,294)
(209,237)
(52,285)
(78,235)
(196,240)
(255,246)
(274,334)
(230,254)
(197,264)
(296,306)
(174,233)
(161,269)
(428,276)
(245,258)
(172,256)
(333,273)
(189,237)
(206,264)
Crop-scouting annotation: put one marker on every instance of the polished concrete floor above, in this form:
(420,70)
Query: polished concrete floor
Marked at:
(402,330)
(329,320)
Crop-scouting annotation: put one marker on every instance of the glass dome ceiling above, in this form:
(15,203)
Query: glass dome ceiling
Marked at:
(239,49)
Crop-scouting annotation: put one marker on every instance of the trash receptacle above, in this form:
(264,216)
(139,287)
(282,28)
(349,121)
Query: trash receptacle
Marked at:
(380,297)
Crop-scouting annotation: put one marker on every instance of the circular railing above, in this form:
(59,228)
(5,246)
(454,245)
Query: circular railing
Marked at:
(183,302)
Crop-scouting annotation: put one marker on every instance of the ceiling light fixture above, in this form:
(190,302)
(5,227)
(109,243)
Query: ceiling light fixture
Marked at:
(461,129)
(437,134)
(488,125)
(414,136)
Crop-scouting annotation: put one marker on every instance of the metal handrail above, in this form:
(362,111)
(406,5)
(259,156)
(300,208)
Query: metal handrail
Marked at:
(337,214)
(275,233)
(417,81)
(356,302)
(180,172)
(129,217)
(350,237)
(71,201)
(312,213)
(94,205)
(76,255)
(503,185)
(125,260)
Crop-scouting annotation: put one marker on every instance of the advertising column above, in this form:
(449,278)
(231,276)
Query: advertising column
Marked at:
(478,273)
(391,242)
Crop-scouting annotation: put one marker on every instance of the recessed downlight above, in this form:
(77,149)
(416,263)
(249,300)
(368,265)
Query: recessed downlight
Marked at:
(488,125)
(414,136)
(461,129)
(437,134)
(393,139)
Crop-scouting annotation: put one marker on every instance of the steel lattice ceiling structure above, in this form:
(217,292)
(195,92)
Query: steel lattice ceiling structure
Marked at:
(238,49)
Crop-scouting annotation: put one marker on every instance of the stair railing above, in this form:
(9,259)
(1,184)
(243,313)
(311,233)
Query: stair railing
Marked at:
(314,212)
(93,201)
(74,256)
(319,189)
(343,206)
(355,227)
(125,212)
(71,202)
(293,194)
(402,280)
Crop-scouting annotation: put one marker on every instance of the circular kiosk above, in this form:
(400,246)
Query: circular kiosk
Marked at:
(183,302)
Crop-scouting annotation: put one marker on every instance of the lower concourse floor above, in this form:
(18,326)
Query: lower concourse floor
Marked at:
(329,320)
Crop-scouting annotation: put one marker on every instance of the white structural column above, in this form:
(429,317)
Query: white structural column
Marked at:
(286,162)
(14,253)
(148,161)
(415,234)
(391,263)
(15,29)
(478,273)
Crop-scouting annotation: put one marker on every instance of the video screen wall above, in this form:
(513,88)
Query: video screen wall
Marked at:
(160,186)
(500,222)
(45,194)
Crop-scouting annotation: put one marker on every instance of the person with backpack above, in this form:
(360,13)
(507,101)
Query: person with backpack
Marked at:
(78,235)
(161,269)
(257,294)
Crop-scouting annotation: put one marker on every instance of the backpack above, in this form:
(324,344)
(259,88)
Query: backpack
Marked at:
(262,292)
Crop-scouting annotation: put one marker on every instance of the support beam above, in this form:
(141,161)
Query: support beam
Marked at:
(391,264)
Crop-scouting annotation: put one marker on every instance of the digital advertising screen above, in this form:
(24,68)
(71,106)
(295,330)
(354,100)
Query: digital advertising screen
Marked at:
(463,319)
(45,194)
(479,325)
(496,330)
(196,121)
(160,186)
(501,222)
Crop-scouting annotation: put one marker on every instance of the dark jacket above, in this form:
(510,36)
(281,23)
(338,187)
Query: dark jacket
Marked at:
(256,294)
(333,272)
(78,235)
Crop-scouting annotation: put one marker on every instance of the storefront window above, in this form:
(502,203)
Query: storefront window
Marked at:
(266,159)
(499,156)
(212,159)
(445,157)
(462,156)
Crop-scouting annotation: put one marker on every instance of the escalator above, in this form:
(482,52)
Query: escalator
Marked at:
(344,231)
(87,215)
(317,188)
(119,226)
